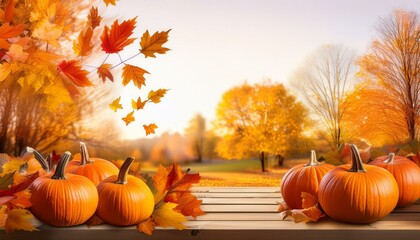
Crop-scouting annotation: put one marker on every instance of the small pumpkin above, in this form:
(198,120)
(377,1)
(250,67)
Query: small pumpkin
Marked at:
(124,200)
(96,169)
(303,178)
(358,193)
(63,199)
(407,175)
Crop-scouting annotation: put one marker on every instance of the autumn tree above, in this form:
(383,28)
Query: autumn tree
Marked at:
(195,133)
(386,105)
(323,82)
(259,119)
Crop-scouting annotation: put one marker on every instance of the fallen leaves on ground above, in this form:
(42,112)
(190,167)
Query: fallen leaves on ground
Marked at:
(310,213)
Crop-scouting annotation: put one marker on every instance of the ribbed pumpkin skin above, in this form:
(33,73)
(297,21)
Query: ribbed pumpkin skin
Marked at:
(63,202)
(407,175)
(358,197)
(302,178)
(96,171)
(124,204)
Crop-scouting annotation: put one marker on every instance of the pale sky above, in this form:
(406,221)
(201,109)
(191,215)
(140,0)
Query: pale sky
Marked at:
(217,44)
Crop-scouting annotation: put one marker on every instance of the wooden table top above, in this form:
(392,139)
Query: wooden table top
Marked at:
(243,213)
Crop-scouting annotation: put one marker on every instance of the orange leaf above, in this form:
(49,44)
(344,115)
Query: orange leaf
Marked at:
(9,11)
(94,221)
(149,128)
(19,187)
(129,118)
(104,72)
(83,45)
(115,105)
(282,206)
(160,179)
(155,96)
(3,216)
(188,204)
(308,200)
(94,19)
(153,44)
(116,38)
(147,226)
(16,53)
(134,73)
(19,219)
(7,31)
(74,73)
(312,214)
(112,2)
(21,200)
(137,105)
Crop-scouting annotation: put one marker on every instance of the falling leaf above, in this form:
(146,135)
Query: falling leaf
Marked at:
(107,2)
(308,200)
(16,53)
(135,74)
(9,11)
(146,226)
(19,187)
(83,46)
(94,20)
(153,44)
(94,221)
(3,216)
(149,128)
(137,105)
(73,72)
(116,38)
(165,216)
(155,96)
(104,72)
(47,31)
(19,219)
(115,105)
(8,31)
(129,118)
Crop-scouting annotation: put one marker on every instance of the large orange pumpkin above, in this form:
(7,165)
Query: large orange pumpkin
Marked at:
(407,175)
(96,169)
(63,199)
(303,178)
(124,200)
(358,193)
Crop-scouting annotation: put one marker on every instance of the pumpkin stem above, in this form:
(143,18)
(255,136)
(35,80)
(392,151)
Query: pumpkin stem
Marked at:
(39,158)
(84,154)
(23,168)
(313,161)
(390,159)
(61,166)
(122,175)
(356,160)
(50,161)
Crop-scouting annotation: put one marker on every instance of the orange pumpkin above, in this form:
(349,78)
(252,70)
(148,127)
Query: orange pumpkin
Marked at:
(96,169)
(303,178)
(358,193)
(407,175)
(124,200)
(63,199)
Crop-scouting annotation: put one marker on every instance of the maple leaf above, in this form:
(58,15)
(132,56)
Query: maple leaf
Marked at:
(16,53)
(12,166)
(3,216)
(94,20)
(149,129)
(6,180)
(116,38)
(135,74)
(104,72)
(94,221)
(8,31)
(146,226)
(188,204)
(19,219)
(74,73)
(153,44)
(83,45)
(312,214)
(47,31)
(107,2)
(19,187)
(129,118)
(308,200)
(21,200)
(164,215)
(137,105)
(6,69)
(9,11)
(155,96)
(115,105)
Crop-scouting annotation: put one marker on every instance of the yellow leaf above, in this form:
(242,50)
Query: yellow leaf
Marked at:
(147,226)
(155,96)
(135,74)
(48,32)
(150,128)
(115,105)
(107,2)
(6,69)
(12,166)
(83,46)
(165,216)
(129,118)
(104,72)
(16,53)
(153,44)
(3,216)
(138,104)
(19,219)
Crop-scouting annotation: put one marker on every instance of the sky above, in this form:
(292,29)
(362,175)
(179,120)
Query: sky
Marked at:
(218,44)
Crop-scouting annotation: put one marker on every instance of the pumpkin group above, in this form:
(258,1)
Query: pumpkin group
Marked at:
(303,178)
(358,193)
(63,199)
(407,175)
